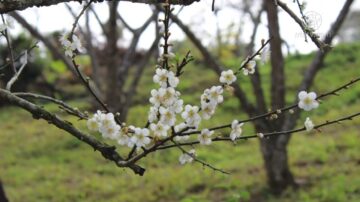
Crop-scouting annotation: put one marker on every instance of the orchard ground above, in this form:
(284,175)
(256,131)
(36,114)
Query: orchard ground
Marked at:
(39,162)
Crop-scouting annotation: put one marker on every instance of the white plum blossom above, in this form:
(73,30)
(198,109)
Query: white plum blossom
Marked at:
(309,125)
(236,130)
(107,120)
(207,110)
(249,67)
(70,46)
(155,98)
(99,115)
(227,77)
(153,114)
(164,77)
(214,94)
(205,136)
(104,123)
(167,96)
(177,106)
(191,116)
(123,139)
(110,131)
(186,158)
(9,24)
(260,135)
(307,101)
(140,137)
(161,77)
(158,130)
(167,117)
(93,124)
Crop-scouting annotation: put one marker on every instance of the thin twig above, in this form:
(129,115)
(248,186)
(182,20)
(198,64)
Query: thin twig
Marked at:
(8,42)
(66,107)
(308,30)
(18,73)
(78,18)
(266,135)
(277,111)
(248,59)
(200,161)
(20,55)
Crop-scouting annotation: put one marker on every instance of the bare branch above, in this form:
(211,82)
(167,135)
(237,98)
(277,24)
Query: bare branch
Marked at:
(265,135)
(18,73)
(48,43)
(200,161)
(308,30)
(214,64)
(62,104)
(317,62)
(12,5)
(281,110)
(10,49)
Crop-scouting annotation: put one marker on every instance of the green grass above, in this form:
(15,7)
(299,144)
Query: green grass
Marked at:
(39,162)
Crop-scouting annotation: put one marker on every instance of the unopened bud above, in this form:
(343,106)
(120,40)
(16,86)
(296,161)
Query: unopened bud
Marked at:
(260,135)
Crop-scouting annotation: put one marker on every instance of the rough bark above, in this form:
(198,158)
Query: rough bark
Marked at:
(12,5)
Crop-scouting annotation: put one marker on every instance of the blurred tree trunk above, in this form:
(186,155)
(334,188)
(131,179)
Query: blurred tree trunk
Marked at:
(274,149)
(2,194)
(112,91)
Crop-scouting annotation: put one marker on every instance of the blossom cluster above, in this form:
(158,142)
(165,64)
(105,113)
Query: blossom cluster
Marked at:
(167,106)
(70,46)
(307,102)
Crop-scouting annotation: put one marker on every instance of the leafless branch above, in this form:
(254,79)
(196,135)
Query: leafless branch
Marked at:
(62,104)
(11,5)
(306,29)
(200,161)
(10,49)
(265,135)
(18,73)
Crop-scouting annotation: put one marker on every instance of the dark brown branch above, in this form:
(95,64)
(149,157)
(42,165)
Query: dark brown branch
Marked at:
(17,73)
(10,49)
(200,161)
(107,151)
(308,30)
(12,5)
(61,103)
(281,110)
(248,59)
(215,65)
(317,62)
(266,135)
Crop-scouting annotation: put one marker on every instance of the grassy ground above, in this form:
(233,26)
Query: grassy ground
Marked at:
(41,163)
